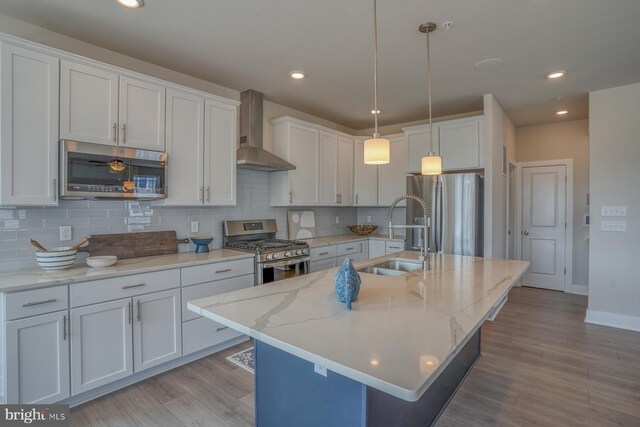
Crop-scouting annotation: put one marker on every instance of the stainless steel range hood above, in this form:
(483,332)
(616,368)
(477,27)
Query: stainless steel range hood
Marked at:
(251,155)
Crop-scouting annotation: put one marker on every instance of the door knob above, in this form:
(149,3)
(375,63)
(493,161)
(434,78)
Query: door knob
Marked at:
(526,233)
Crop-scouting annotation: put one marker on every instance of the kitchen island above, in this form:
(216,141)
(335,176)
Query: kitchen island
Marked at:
(395,359)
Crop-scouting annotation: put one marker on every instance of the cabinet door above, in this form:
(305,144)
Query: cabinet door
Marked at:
(141,114)
(38,359)
(460,145)
(418,146)
(366,179)
(100,344)
(377,248)
(220,145)
(28,127)
(185,146)
(328,169)
(303,153)
(345,171)
(88,104)
(157,336)
(392,179)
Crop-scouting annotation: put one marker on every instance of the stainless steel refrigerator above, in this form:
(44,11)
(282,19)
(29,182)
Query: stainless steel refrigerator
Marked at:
(456,204)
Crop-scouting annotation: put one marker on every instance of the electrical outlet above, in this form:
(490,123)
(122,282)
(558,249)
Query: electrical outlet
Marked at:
(65,233)
(194,226)
(614,226)
(614,211)
(337,219)
(368,219)
(319,369)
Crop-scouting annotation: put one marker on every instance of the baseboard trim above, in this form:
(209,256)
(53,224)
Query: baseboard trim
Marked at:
(580,289)
(621,321)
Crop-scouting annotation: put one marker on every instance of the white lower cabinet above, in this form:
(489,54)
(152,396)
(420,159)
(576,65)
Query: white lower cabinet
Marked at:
(392,247)
(101,344)
(377,248)
(323,264)
(157,336)
(38,359)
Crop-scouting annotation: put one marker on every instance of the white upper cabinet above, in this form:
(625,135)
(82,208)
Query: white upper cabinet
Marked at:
(459,144)
(345,170)
(103,107)
(419,145)
(141,114)
(185,147)
(366,179)
(328,169)
(392,180)
(28,127)
(88,104)
(220,145)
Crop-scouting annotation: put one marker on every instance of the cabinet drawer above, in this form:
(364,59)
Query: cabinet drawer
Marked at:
(217,271)
(393,247)
(348,248)
(198,334)
(323,252)
(324,264)
(35,302)
(123,287)
(211,288)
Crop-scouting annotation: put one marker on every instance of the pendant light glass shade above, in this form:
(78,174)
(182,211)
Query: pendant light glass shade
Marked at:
(432,165)
(376,151)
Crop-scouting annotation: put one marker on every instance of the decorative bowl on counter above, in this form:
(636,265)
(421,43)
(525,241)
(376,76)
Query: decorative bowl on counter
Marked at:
(57,258)
(202,243)
(362,230)
(101,261)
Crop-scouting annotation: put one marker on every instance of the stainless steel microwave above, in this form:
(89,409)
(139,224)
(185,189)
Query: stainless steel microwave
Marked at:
(96,171)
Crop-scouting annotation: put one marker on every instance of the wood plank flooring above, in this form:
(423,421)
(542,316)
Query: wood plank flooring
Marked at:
(541,365)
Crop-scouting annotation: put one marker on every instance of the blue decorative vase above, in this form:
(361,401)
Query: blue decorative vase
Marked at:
(347,282)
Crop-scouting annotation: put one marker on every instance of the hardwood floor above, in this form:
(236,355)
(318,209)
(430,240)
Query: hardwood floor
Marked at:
(540,365)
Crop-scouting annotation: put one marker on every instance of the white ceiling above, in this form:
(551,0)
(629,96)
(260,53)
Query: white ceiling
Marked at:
(245,44)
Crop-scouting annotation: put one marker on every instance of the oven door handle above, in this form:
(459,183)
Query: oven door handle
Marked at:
(284,263)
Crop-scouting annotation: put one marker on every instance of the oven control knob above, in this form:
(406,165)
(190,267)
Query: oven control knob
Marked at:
(299,252)
(287,254)
(274,256)
(269,256)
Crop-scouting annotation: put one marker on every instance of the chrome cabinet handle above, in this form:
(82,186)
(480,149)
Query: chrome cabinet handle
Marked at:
(31,304)
(129,312)
(115,133)
(349,249)
(290,197)
(124,133)
(139,310)
(323,253)
(139,285)
(356,199)
(202,194)
(55,190)
(208,194)
(394,247)
(226,270)
(64,327)
(221,328)
(526,233)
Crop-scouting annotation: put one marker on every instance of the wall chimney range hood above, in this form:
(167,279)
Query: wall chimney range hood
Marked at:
(251,155)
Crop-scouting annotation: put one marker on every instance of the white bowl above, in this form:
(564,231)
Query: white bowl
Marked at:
(101,261)
(57,258)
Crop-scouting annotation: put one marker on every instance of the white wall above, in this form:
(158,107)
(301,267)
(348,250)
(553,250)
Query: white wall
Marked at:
(498,131)
(565,140)
(614,175)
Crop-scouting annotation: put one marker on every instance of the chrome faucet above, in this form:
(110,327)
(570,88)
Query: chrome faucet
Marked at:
(424,249)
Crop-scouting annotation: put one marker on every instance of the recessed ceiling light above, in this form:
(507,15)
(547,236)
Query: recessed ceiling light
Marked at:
(555,74)
(561,112)
(488,64)
(131,4)
(373,111)
(297,75)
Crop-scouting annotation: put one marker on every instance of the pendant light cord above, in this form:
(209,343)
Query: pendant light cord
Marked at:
(429,89)
(375,69)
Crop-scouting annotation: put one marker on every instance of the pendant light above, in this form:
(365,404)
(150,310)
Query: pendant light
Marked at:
(376,149)
(432,163)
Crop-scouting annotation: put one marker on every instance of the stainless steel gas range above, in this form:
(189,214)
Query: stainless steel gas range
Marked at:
(276,259)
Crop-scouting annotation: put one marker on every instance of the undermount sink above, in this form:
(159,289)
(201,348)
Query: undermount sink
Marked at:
(392,267)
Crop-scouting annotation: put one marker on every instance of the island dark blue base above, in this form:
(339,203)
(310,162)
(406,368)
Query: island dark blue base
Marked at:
(289,393)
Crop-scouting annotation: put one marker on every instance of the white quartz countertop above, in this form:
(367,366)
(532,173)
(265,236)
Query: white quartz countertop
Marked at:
(401,333)
(32,278)
(334,240)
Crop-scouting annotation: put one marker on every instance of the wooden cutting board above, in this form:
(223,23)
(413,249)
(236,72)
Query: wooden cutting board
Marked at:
(134,245)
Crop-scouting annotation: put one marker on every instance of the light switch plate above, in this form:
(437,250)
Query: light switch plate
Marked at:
(614,226)
(65,233)
(319,369)
(337,219)
(194,226)
(368,219)
(614,211)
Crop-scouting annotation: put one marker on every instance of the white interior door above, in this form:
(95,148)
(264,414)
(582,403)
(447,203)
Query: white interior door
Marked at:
(544,226)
